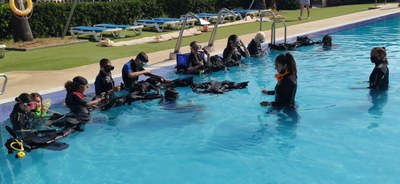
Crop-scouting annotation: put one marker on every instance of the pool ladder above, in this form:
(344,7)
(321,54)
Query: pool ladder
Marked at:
(273,26)
(4,84)
(2,54)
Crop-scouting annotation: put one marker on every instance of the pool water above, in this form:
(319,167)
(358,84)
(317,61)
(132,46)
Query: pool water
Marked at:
(339,134)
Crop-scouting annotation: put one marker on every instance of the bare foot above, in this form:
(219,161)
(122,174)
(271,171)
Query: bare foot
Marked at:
(265,103)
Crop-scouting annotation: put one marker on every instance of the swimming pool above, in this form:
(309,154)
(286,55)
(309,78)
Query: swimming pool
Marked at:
(342,135)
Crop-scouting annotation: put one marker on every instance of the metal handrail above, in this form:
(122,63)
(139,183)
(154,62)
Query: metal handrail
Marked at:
(172,55)
(210,45)
(4,84)
(273,26)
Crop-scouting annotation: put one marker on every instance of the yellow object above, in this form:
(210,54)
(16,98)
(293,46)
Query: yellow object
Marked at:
(47,103)
(19,12)
(21,154)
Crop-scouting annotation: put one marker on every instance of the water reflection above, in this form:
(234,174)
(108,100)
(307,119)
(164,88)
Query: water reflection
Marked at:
(284,128)
(379,100)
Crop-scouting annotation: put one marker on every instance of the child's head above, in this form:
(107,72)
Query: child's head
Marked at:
(327,40)
(194,47)
(26,102)
(105,65)
(142,59)
(260,37)
(171,94)
(38,99)
(78,84)
(378,55)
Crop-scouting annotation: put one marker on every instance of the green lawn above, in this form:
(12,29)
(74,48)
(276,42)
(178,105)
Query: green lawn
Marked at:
(87,53)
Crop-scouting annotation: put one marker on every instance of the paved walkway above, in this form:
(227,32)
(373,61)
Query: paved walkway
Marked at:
(50,81)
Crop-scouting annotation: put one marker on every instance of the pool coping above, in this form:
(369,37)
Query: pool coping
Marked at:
(57,95)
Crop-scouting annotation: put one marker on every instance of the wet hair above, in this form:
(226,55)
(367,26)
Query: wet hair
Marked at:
(327,40)
(259,36)
(193,43)
(72,86)
(171,94)
(380,53)
(287,59)
(37,95)
(24,98)
(103,62)
(142,57)
(231,38)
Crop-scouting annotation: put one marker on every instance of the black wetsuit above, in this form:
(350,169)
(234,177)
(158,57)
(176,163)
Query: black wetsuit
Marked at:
(236,57)
(218,87)
(76,103)
(129,68)
(103,83)
(285,92)
(193,61)
(253,48)
(20,119)
(379,78)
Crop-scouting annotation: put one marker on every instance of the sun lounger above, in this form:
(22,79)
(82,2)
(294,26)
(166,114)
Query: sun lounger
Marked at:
(136,29)
(212,17)
(95,31)
(190,22)
(244,13)
(158,24)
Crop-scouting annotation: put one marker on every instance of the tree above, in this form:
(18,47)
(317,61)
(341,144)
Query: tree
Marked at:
(260,4)
(21,28)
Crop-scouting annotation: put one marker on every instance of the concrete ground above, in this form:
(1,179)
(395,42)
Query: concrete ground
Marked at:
(50,81)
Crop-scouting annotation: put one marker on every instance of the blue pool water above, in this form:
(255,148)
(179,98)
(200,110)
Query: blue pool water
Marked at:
(342,135)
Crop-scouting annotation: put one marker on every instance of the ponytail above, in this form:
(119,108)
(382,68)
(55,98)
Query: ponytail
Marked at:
(72,86)
(24,98)
(69,86)
(288,60)
(291,65)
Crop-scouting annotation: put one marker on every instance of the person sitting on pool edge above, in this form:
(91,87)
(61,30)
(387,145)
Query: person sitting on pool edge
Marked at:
(134,68)
(285,89)
(234,50)
(75,100)
(254,46)
(104,81)
(379,78)
(196,59)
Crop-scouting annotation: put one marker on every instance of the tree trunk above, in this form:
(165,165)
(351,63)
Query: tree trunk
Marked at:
(271,4)
(260,4)
(21,29)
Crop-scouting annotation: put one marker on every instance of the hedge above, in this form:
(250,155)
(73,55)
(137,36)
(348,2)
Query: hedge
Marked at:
(48,19)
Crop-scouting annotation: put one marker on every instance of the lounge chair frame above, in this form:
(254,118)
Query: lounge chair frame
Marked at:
(97,33)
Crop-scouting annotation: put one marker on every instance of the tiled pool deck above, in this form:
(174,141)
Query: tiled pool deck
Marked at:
(51,86)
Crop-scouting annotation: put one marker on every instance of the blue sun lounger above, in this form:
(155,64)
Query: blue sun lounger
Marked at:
(136,29)
(158,24)
(95,31)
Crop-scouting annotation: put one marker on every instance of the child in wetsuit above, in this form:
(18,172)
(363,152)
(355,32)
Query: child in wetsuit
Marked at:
(379,78)
(21,116)
(285,89)
(234,50)
(75,99)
